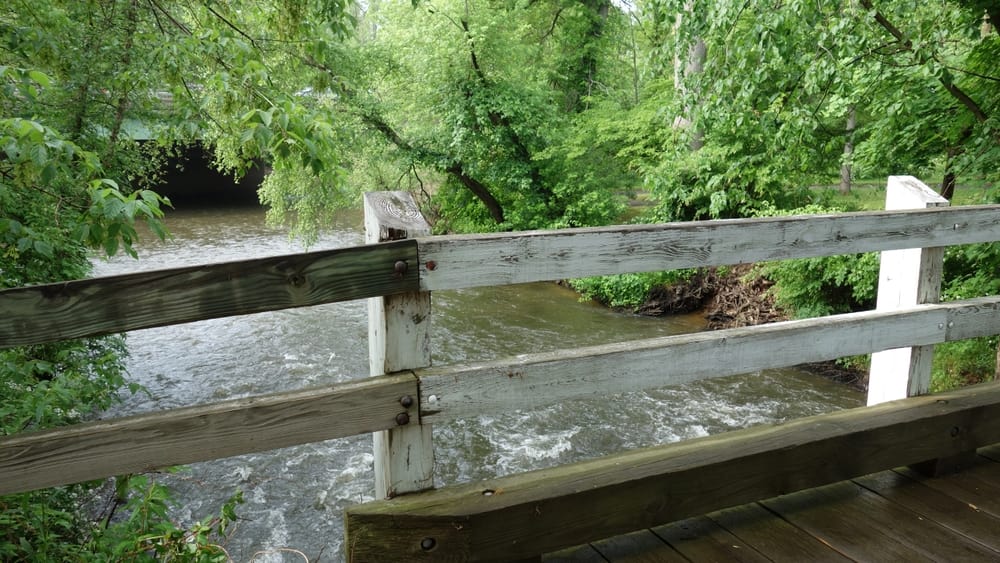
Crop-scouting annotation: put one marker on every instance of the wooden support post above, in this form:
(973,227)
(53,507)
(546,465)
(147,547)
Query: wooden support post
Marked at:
(399,339)
(906,277)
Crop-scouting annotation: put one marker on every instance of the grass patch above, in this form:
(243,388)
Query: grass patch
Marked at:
(870,195)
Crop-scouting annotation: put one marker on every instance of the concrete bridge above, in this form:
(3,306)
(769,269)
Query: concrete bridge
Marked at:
(190,179)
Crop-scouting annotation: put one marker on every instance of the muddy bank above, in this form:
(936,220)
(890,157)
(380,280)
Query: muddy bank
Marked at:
(729,298)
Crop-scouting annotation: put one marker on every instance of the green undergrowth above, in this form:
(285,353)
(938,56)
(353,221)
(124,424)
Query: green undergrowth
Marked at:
(54,385)
(626,290)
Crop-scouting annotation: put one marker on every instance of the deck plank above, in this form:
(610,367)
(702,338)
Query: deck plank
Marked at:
(701,539)
(867,527)
(580,554)
(894,515)
(638,547)
(978,486)
(774,537)
(991,452)
(961,517)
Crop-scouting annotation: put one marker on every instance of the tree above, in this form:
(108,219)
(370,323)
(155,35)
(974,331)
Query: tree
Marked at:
(483,93)
(780,78)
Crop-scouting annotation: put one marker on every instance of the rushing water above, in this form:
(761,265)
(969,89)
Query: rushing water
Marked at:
(296,496)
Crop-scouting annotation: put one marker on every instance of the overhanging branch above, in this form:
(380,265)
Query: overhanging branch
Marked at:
(950,86)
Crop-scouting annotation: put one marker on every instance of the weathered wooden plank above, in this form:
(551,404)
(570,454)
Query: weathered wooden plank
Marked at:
(580,554)
(991,452)
(959,517)
(399,338)
(533,380)
(774,537)
(853,537)
(46,313)
(977,317)
(550,509)
(700,539)
(907,277)
(638,547)
(453,262)
(867,527)
(140,443)
(978,486)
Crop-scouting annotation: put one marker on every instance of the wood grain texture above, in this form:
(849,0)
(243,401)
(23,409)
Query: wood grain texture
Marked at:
(907,277)
(551,509)
(701,539)
(140,443)
(867,527)
(638,547)
(533,380)
(454,262)
(960,517)
(977,487)
(97,306)
(399,338)
(581,554)
(774,537)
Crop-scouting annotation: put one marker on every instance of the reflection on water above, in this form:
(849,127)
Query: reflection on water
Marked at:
(296,496)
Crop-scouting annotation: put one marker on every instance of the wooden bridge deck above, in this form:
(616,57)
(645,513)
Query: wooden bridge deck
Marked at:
(888,516)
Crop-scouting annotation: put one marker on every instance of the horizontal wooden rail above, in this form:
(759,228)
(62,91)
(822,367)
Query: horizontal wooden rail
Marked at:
(93,307)
(518,516)
(533,380)
(198,433)
(140,443)
(452,262)
(58,311)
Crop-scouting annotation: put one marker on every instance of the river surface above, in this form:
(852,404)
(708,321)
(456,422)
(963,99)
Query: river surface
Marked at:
(295,497)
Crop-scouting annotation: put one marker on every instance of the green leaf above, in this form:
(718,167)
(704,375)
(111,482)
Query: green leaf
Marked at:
(41,78)
(43,248)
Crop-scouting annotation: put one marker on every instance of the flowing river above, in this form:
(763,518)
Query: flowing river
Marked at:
(295,497)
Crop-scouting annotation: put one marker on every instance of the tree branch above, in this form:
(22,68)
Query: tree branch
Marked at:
(952,89)
(479,190)
(456,169)
(232,26)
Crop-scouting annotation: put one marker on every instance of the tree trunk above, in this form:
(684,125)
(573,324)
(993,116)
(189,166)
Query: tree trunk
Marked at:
(695,66)
(845,164)
(480,191)
(948,185)
(121,105)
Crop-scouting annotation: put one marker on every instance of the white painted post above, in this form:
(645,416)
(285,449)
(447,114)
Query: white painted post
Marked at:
(906,278)
(399,339)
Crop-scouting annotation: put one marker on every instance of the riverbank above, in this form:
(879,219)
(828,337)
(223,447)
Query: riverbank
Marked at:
(730,298)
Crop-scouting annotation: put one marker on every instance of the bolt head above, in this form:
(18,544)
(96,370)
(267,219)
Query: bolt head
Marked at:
(406,401)
(431,265)
(400,268)
(402,419)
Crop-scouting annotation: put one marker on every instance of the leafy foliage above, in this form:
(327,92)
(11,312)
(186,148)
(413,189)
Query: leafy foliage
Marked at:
(75,88)
(38,526)
(721,182)
(625,290)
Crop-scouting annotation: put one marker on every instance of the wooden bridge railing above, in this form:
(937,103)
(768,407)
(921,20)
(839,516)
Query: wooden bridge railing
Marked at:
(539,511)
